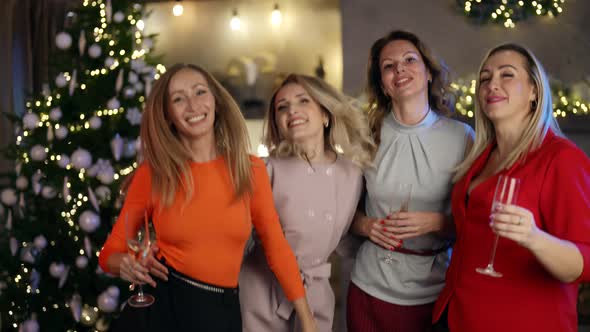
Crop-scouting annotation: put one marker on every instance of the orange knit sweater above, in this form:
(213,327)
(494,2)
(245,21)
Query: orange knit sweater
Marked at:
(205,238)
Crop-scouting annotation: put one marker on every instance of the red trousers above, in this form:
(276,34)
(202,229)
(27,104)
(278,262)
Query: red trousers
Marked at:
(365,313)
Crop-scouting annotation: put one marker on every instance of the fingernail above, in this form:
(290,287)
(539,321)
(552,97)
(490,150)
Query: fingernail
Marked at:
(392,237)
(383,229)
(382,222)
(401,241)
(392,248)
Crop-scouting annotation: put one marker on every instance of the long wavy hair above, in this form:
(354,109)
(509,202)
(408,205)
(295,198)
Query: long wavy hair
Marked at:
(440,97)
(166,155)
(540,121)
(347,132)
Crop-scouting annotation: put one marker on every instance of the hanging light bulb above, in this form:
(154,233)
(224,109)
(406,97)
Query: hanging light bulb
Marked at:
(235,23)
(276,17)
(177,10)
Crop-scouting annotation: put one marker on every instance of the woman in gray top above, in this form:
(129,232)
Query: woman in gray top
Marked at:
(318,143)
(400,268)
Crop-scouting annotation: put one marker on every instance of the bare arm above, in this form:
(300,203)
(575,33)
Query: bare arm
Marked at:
(305,316)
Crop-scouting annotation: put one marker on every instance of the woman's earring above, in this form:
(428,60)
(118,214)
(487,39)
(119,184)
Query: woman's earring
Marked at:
(327,123)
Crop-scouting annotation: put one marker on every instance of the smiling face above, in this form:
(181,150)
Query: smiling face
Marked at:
(191,105)
(298,116)
(403,71)
(505,87)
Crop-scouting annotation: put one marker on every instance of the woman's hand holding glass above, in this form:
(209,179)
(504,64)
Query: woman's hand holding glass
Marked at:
(138,270)
(407,225)
(376,230)
(515,223)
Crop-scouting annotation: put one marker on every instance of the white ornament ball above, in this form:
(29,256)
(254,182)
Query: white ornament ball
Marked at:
(61,132)
(60,80)
(128,92)
(113,291)
(8,197)
(109,61)
(106,176)
(81,262)
(94,51)
(113,103)
(63,161)
(137,6)
(89,221)
(107,303)
(48,192)
(63,40)
(56,270)
(138,86)
(81,159)
(22,183)
(118,17)
(95,122)
(30,121)
(30,325)
(55,114)
(38,153)
(129,149)
(103,193)
(133,78)
(40,242)
(26,255)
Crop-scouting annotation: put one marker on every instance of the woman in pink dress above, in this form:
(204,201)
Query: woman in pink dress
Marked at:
(318,143)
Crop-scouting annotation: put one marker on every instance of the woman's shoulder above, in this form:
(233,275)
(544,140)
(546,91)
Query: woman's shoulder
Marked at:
(455,125)
(564,152)
(347,165)
(257,161)
(143,171)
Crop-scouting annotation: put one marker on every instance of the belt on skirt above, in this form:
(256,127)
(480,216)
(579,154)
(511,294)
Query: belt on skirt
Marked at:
(198,284)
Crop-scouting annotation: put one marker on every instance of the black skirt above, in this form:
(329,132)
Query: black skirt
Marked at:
(184,304)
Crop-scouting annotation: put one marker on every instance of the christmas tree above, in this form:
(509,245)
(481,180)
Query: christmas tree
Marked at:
(73,147)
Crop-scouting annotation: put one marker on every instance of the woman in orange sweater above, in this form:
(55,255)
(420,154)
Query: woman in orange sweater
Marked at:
(203,192)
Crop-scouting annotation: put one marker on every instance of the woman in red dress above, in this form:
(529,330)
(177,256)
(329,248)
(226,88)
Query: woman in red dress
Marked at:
(544,247)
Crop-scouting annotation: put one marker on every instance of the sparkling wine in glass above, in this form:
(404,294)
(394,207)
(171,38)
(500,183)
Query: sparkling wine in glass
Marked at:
(506,194)
(403,194)
(139,242)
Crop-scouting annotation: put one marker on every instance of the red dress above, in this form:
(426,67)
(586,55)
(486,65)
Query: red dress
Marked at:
(555,187)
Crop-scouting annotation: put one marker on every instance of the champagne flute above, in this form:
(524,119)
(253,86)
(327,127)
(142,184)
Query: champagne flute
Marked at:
(506,194)
(139,245)
(404,192)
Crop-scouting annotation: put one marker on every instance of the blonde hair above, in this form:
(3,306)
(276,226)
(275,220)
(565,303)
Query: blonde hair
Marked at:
(167,156)
(440,97)
(347,132)
(540,122)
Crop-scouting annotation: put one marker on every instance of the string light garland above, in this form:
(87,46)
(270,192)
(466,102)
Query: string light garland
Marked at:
(508,12)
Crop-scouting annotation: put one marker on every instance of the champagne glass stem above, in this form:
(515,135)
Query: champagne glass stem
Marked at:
(493,254)
(140,293)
